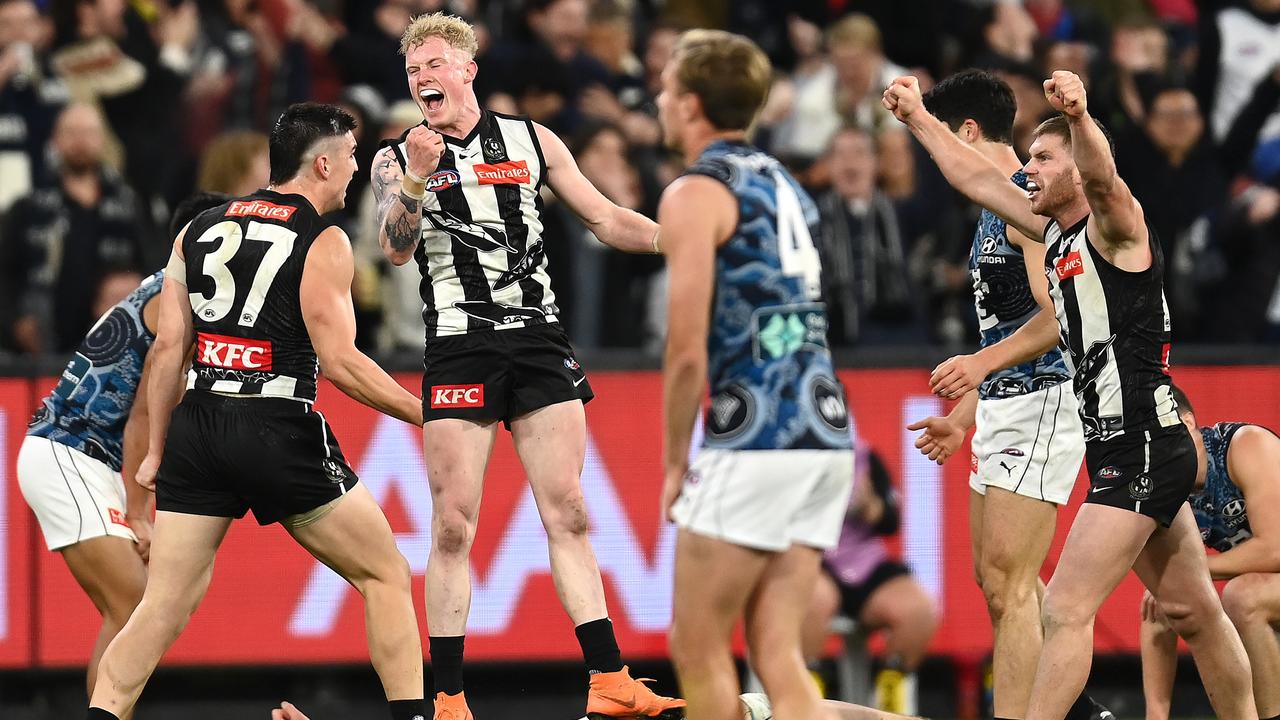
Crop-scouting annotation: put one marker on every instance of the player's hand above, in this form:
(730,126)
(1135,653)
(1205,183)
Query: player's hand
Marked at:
(423,148)
(146,475)
(671,487)
(940,440)
(957,376)
(287,711)
(902,97)
(1065,92)
(1151,611)
(142,529)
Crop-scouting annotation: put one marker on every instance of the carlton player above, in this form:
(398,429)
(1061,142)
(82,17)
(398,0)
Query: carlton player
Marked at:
(461,198)
(260,289)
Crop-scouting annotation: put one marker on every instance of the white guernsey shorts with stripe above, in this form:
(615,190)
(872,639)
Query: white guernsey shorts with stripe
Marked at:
(74,497)
(1031,444)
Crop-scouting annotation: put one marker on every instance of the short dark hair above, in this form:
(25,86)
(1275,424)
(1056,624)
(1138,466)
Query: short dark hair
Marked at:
(195,204)
(1059,125)
(299,128)
(975,95)
(1184,404)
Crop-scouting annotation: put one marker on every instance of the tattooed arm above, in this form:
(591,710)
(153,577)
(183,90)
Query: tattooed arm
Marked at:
(399,213)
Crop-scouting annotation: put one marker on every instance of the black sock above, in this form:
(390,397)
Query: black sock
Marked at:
(446,662)
(100,714)
(408,709)
(1082,709)
(599,646)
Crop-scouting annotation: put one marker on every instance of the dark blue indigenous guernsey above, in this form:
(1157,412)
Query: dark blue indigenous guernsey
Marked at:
(1219,506)
(771,377)
(89,407)
(1003,299)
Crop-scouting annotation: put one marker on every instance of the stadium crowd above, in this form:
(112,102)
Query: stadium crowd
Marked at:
(113,111)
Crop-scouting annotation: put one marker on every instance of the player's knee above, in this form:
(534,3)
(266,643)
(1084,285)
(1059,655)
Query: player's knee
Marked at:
(1185,618)
(1062,611)
(451,533)
(1005,593)
(1240,599)
(919,612)
(568,517)
(391,572)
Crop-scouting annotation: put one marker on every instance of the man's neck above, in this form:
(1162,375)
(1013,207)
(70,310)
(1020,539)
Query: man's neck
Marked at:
(1073,213)
(1001,154)
(82,187)
(306,190)
(468,118)
(698,142)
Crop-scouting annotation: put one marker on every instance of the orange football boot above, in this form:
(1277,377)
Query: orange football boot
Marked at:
(452,707)
(618,695)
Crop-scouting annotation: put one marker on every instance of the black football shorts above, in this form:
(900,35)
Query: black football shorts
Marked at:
(1150,473)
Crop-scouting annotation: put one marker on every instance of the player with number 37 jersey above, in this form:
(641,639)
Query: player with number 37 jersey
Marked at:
(772,382)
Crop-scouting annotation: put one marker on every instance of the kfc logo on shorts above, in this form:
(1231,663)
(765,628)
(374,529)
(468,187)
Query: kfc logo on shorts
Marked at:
(457,396)
(233,353)
(511,172)
(1069,266)
(973,463)
(260,208)
(117,517)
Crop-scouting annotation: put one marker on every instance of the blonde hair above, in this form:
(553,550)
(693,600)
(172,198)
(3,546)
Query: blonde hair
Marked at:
(855,30)
(453,30)
(729,74)
(228,159)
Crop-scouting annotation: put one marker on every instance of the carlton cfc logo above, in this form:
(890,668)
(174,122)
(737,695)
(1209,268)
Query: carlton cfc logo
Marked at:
(511,172)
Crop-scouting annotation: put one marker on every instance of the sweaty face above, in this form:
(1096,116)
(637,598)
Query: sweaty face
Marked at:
(1052,180)
(440,78)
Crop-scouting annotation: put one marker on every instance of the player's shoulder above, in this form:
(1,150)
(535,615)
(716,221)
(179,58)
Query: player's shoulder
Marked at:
(733,164)
(1248,437)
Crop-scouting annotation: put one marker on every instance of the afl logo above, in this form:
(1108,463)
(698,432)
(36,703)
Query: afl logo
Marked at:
(988,245)
(1109,473)
(1234,508)
(443,180)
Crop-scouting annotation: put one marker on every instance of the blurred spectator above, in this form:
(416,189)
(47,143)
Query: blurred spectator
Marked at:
(235,163)
(1139,63)
(1246,307)
(29,99)
(1173,169)
(1239,47)
(866,279)
(846,91)
(61,241)
(1028,90)
(861,581)
(626,101)
(1008,34)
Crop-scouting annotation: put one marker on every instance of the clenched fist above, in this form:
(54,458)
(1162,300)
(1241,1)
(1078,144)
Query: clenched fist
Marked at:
(423,148)
(902,97)
(1065,92)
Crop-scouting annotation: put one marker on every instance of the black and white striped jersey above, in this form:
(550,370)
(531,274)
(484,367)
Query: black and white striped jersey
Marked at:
(1114,326)
(481,254)
(244,263)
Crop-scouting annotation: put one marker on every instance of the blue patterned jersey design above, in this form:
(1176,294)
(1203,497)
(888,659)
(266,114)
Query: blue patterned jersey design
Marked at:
(772,382)
(88,408)
(1219,506)
(1002,296)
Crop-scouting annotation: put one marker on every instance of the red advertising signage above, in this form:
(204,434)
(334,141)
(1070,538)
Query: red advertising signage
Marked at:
(271,603)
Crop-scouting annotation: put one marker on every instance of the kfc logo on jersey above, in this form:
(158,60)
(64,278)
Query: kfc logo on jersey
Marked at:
(511,172)
(1069,266)
(233,353)
(443,180)
(262,209)
(457,396)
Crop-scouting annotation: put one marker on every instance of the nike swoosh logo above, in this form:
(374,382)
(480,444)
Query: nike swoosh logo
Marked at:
(579,381)
(1100,489)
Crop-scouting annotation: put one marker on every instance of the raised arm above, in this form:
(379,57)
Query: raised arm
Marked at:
(697,213)
(1116,217)
(399,194)
(1253,461)
(325,296)
(966,169)
(174,338)
(617,227)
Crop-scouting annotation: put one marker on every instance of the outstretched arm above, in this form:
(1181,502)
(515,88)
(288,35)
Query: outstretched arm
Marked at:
(968,171)
(325,296)
(617,227)
(1115,214)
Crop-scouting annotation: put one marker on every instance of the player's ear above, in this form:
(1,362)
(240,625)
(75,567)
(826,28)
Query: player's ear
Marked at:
(322,166)
(469,72)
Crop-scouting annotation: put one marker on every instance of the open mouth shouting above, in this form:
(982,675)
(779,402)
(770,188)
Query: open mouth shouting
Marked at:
(1033,190)
(432,98)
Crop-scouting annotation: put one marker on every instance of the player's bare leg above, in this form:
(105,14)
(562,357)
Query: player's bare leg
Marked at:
(113,575)
(1015,533)
(773,620)
(824,604)
(355,540)
(182,552)
(1174,568)
(756,706)
(712,584)
(552,444)
(905,612)
(1158,644)
(1252,602)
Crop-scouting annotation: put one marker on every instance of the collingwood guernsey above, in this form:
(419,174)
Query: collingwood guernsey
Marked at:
(481,254)
(1114,325)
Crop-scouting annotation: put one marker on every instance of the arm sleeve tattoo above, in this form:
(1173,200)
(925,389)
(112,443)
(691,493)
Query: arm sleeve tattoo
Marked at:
(400,215)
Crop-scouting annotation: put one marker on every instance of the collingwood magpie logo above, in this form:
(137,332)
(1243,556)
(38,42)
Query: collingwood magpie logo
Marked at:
(1141,487)
(497,313)
(333,470)
(522,267)
(475,236)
